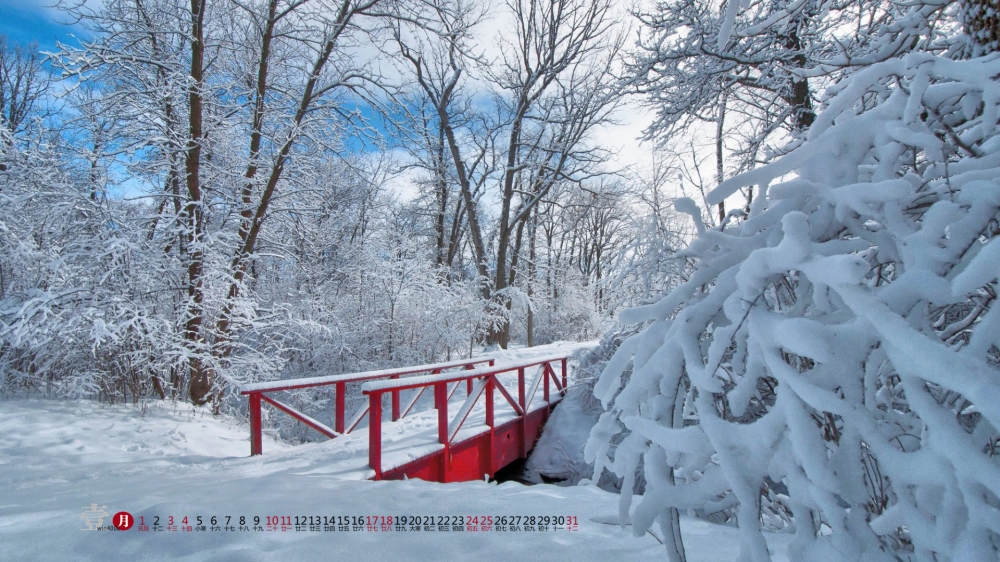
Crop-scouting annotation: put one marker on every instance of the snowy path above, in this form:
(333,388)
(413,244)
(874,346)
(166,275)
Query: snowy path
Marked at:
(57,458)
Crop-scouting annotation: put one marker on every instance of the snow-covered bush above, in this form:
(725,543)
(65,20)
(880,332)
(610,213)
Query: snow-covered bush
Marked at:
(842,341)
(570,315)
(63,269)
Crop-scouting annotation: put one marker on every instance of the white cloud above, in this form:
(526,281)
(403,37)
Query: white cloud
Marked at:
(44,8)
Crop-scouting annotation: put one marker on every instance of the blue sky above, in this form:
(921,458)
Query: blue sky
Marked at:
(26,21)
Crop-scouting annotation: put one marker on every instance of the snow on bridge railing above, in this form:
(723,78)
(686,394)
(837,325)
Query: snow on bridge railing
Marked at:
(258,393)
(486,382)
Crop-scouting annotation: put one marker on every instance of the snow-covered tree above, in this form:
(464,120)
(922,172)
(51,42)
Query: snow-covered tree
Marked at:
(754,66)
(23,85)
(231,106)
(835,357)
(547,92)
(751,71)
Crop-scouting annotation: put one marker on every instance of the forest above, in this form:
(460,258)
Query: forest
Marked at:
(795,289)
(208,195)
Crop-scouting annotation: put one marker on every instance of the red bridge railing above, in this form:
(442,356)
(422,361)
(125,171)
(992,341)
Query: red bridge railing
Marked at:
(258,393)
(486,451)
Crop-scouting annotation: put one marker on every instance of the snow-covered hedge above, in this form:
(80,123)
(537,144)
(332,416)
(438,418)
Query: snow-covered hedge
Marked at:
(842,341)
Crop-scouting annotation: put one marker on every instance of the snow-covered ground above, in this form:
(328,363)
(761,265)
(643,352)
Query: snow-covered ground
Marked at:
(59,459)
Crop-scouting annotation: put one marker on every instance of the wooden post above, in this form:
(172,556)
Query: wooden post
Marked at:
(520,389)
(395,401)
(490,381)
(441,401)
(546,372)
(341,393)
(256,443)
(565,378)
(375,433)
(524,412)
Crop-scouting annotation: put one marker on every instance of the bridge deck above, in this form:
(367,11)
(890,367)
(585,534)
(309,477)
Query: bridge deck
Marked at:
(404,441)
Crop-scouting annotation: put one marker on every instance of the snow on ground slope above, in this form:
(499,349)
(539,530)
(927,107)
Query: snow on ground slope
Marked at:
(525,354)
(59,458)
(559,451)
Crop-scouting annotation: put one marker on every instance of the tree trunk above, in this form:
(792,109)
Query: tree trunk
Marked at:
(442,199)
(470,204)
(250,228)
(720,170)
(981,19)
(800,99)
(201,379)
(531,280)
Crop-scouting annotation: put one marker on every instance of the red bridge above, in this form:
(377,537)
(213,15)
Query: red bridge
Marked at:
(489,430)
